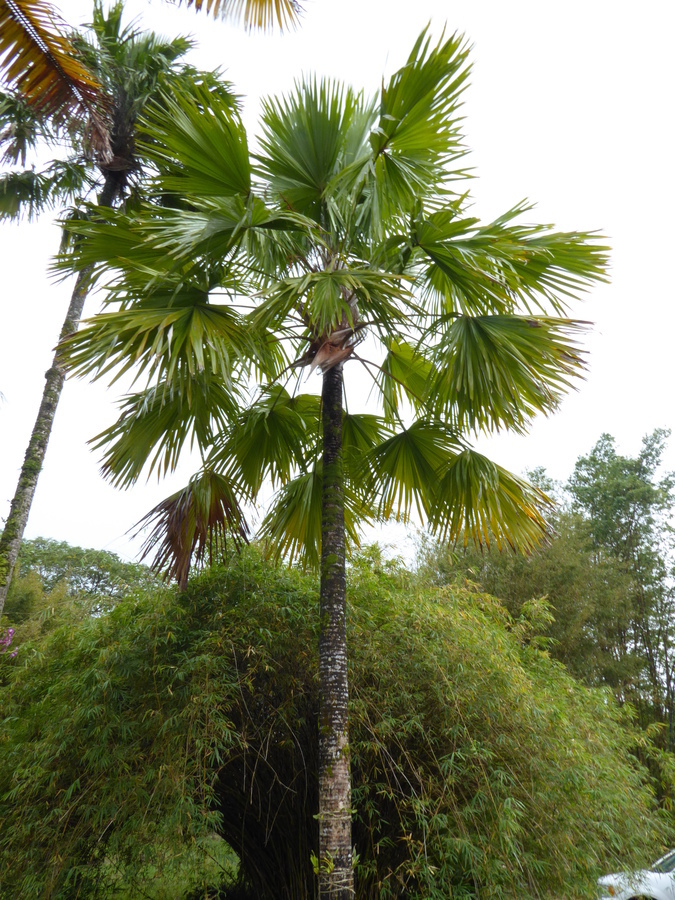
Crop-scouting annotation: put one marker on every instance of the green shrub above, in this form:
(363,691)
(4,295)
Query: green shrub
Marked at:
(481,769)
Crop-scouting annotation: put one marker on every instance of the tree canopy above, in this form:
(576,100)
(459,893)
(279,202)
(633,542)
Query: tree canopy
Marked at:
(346,238)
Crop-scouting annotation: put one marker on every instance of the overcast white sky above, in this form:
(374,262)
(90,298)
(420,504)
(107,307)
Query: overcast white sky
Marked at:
(570,106)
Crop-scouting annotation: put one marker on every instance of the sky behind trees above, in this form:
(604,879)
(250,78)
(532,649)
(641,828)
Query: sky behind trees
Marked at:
(571,112)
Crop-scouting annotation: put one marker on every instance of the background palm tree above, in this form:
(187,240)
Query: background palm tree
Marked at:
(346,240)
(53,88)
(129,68)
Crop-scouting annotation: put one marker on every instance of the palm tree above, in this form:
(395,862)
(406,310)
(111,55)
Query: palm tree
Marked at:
(52,90)
(344,241)
(129,68)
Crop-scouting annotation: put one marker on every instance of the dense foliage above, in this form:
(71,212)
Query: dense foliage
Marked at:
(480,767)
(607,576)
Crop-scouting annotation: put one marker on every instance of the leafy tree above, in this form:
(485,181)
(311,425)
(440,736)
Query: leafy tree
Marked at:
(581,599)
(345,239)
(629,509)
(129,68)
(481,769)
(607,576)
(95,573)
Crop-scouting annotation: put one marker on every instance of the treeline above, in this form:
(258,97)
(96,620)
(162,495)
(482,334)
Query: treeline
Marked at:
(604,586)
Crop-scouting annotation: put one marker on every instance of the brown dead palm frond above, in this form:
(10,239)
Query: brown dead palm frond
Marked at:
(193,524)
(38,61)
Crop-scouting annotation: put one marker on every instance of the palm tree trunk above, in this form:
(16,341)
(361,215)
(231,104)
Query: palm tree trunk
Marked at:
(15,525)
(336,877)
(12,535)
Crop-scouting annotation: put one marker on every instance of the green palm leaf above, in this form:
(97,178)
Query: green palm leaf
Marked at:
(174,339)
(404,469)
(477,500)
(28,193)
(273,438)
(292,525)
(308,138)
(405,373)
(495,371)
(361,433)
(155,425)
(503,267)
(418,134)
(202,155)
(22,127)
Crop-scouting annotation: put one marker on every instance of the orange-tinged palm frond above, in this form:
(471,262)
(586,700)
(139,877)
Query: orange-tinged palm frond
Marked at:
(256,14)
(38,61)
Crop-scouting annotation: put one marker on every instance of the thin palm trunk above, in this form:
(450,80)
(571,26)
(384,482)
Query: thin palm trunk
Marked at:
(15,525)
(336,878)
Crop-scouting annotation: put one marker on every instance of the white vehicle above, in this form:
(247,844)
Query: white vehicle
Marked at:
(655,883)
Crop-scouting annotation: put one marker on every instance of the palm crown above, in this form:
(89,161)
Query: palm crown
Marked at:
(344,239)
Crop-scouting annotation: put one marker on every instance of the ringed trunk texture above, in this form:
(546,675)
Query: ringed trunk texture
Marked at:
(15,525)
(336,875)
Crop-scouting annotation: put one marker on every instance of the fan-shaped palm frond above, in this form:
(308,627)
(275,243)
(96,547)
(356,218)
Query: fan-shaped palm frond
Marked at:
(206,155)
(184,338)
(260,14)
(404,469)
(309,138)
(292,526)
(478,500)
(499,371)
(505,265)
(405,373)
(22,127)
(27,194)
(154,426)
(274,438)
(194,523)
(418,137)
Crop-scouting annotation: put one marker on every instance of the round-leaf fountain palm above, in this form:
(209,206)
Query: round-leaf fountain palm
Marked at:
(343,242)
